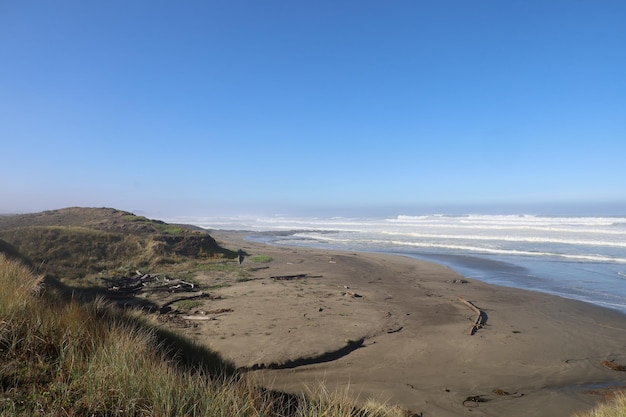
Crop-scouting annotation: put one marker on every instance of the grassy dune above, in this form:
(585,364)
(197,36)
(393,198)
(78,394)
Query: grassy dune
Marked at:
(60,357)
(80,242)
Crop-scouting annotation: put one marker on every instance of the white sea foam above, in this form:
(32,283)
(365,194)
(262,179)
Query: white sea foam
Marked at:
(511,238)
(600,225)
(576,257)
(428,244)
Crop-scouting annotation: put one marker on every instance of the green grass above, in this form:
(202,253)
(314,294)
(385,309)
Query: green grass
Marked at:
(158,225)
(135,218)
(170,229)
(62,357)
(73,252)
(261,258)
(217,266)
(223,268)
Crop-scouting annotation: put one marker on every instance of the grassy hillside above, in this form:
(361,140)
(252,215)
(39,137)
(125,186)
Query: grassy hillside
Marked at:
(80,242)
(105,219)
(60,357)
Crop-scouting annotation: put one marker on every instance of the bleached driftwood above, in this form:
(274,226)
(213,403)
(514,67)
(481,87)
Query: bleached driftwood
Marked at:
(478,323)
(147,283)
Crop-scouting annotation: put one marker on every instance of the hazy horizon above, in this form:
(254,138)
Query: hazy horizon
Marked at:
(574,209)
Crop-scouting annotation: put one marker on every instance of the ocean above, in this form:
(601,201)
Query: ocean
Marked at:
(582,258)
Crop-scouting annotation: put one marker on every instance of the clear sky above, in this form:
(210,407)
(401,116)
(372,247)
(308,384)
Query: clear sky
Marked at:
(206,107)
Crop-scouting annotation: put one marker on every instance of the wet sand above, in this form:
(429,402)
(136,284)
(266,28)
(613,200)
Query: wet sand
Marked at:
(394,329)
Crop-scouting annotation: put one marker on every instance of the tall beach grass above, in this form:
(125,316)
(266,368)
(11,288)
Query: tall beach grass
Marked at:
(62,357)
(615,407)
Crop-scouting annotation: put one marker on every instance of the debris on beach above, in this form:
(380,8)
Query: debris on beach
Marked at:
(613,366)
(140,289)
(474,401)
(292,277)
(501,392)
(479,322)
(352,294)
(395,329)
(147,283)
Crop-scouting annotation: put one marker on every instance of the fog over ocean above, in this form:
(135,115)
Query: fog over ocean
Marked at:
(577,257)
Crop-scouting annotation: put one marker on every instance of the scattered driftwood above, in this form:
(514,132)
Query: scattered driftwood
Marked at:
(291,277)
(352,294)
(171,285)
(395,329)
(146,283)
(478,323)
(613,366)
(501,392)
(474,401)
(130,284)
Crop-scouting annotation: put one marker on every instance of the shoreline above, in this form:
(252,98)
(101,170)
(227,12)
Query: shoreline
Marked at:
(486,267)
(489,271)
(391,327)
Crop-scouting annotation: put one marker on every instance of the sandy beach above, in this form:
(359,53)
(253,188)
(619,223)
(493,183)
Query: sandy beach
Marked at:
(401,330)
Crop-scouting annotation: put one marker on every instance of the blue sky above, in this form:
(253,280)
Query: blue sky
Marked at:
(200,108)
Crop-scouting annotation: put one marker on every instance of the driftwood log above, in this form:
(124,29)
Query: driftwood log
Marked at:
(147,283)
(478,323)
(288,277)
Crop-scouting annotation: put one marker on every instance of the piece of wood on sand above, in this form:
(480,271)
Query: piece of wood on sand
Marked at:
(613,366)
(478,322)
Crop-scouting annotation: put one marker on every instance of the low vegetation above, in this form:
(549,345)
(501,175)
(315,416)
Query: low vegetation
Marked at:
(187,305)
(61,357)
(64,354)
(165,228)
(261,258)
(615,407)
(79,243)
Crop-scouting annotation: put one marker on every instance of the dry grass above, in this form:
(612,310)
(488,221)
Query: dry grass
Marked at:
(73,253)
(616,407)
(60,357)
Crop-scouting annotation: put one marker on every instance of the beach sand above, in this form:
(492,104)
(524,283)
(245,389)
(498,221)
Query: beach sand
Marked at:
(392,328)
